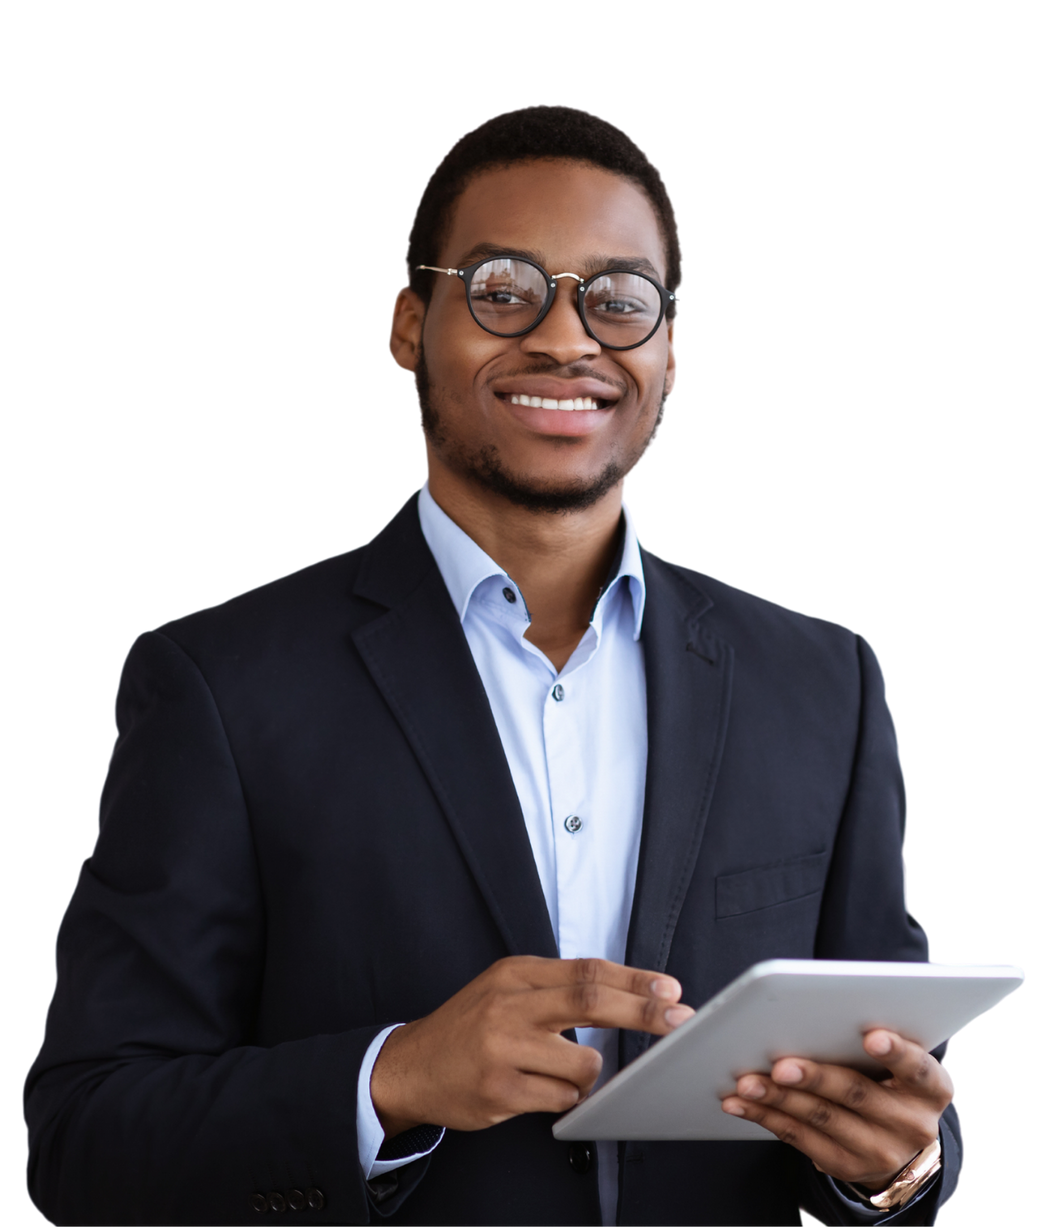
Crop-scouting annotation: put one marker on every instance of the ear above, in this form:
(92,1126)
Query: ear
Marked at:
(405,341)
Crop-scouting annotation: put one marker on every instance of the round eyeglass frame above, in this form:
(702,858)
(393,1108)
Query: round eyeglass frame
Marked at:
(667,296)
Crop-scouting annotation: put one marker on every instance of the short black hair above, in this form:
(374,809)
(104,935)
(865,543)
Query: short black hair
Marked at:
(534,132)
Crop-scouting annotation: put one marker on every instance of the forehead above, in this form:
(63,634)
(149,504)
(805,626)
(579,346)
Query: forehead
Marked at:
(566,211)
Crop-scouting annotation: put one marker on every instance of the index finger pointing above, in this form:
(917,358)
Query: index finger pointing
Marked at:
(643,982)
(584,970)
(598,1005)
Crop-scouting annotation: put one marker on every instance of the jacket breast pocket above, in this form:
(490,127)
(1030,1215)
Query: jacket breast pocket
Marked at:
(760,887)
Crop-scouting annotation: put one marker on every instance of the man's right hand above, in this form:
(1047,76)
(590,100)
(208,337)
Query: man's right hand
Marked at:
(495,1050)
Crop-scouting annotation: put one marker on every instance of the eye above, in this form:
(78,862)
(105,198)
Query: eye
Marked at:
(617,307)
(621,297)
(501,294)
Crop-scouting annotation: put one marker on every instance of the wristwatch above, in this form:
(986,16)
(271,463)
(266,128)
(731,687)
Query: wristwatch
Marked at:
(910,1180)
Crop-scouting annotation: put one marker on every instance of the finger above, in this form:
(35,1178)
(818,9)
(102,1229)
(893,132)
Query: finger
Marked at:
(834,1083)
(531,1092)
(911,1066)
(520,1093)
(598,1005)
(550,972)
(869,1120)
(825,1152)
(844,1126)
(549,1054)
(647,983)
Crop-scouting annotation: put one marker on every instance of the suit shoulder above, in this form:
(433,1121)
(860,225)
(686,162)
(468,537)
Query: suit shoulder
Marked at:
(743,618)
(320,593)
(303,620)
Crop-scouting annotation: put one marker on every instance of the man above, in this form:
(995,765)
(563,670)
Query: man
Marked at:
(378,837)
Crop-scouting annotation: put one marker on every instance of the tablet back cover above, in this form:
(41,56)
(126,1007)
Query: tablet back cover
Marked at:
(812,1009)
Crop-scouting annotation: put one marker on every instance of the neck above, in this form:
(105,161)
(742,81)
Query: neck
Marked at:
(559,560)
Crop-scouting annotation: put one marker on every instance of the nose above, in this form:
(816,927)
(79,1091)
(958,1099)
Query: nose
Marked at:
(560,334)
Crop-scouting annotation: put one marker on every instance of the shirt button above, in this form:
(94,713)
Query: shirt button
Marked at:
(558,692)
(509,594)
(573,824)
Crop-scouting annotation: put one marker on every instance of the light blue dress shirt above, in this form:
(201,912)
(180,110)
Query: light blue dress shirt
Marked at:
(575,741)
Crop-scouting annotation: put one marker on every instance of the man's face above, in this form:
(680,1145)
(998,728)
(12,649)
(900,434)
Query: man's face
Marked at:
(569,217)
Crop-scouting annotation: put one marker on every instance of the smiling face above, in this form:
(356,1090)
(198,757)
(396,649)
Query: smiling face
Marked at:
(551,420)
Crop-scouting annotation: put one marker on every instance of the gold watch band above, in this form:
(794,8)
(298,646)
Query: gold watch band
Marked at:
(910,1180)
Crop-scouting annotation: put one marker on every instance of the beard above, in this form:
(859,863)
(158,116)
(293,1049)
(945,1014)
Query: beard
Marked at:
(485,467)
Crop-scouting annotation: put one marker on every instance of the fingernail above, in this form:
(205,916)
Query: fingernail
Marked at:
(665,988)
(732,1108)
(678,1014)
(752,1088)
(791,1074)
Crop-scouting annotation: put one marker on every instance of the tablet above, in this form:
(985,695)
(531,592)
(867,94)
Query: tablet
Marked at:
(812,1009)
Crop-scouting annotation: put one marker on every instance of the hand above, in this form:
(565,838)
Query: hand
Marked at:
(853,1128)
(495,1049)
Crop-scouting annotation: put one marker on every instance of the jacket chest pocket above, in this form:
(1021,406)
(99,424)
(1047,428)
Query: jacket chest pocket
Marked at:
(760,887)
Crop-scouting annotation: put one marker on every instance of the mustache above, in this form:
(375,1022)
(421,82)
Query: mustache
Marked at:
(570,372)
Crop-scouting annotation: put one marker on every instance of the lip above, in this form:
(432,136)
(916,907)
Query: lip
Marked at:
(546,422)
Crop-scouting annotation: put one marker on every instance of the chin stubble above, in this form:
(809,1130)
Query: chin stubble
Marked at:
(486,467)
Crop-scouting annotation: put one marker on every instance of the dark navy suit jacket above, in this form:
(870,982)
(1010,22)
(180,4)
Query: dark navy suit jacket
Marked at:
(309,831)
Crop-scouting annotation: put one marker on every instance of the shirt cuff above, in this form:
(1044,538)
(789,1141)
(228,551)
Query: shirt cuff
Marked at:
(370,1135)
(865,1213)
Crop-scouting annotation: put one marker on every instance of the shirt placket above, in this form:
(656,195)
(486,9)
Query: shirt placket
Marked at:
(573,823)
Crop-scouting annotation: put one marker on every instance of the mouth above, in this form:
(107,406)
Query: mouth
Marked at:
(556,403)
(571,417)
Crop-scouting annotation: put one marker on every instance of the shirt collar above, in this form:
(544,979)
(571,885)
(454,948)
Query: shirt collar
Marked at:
(464,565)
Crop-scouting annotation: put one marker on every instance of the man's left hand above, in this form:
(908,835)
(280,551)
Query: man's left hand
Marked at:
(853,1128)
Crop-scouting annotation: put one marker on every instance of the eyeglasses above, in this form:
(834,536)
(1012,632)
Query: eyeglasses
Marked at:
(509,296)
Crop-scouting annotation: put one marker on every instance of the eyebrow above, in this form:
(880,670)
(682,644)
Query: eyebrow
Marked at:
(590,264)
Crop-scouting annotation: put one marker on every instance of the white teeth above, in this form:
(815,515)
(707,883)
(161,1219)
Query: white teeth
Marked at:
(552,403)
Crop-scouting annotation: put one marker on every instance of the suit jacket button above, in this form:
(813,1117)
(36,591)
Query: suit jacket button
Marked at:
(315,1198)
(259,1202)
(580,1157)
(296,1200)
(277,1202)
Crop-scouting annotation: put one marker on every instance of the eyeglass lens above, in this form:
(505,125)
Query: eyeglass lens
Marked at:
(507,297)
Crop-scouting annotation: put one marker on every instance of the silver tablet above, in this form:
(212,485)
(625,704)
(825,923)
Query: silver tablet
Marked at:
(812,1009)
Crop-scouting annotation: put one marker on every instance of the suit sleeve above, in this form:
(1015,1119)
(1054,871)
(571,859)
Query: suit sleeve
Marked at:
(864,918)
(149,1102)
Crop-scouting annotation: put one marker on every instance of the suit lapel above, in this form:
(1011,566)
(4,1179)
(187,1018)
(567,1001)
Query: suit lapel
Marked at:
(688,683)
(418,656)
